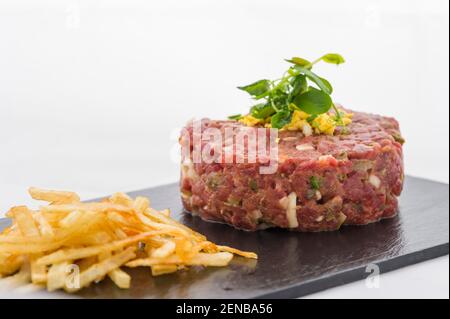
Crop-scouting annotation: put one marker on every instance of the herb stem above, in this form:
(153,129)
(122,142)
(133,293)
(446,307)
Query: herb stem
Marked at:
(309,66)
(274,106)
(338,115)
(286,78)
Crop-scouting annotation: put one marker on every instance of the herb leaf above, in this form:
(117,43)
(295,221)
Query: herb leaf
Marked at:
(328,85)
(262,110)
(314,78)
(236,117)
(257,88)
(333,58)
(299,86)
(299,61)
(314,101)
(281,119)
(312,118)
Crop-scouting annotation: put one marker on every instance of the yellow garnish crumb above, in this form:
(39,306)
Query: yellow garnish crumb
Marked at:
(325,124)
(347,118)
(298,121)
(251,121)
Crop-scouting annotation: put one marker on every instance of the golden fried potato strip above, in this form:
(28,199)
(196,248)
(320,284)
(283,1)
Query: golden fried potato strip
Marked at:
(70,245)
(201,259)
(103,268)
(120,278)
(54,197)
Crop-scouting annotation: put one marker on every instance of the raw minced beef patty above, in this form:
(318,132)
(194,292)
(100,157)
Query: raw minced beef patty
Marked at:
(322,182)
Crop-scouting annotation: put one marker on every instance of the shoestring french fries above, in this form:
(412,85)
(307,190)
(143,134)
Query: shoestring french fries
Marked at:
(70,245)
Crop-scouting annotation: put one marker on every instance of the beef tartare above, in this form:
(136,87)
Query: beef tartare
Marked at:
(352,177)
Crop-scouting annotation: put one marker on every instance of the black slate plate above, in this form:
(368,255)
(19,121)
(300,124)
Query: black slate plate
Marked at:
(297,264)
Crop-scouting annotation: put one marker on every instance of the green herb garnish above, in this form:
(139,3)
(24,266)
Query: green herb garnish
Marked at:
(236,117)
(398,138)
(253,185)
(315,183)
(298,89)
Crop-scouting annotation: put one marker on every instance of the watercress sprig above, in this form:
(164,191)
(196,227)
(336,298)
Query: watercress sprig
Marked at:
(299,89)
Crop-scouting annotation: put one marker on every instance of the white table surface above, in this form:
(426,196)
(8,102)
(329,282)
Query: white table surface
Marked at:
(93,93)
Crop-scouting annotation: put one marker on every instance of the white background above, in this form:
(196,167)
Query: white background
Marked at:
(93,93)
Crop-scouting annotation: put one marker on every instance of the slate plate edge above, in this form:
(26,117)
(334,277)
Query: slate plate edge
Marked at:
(356,274)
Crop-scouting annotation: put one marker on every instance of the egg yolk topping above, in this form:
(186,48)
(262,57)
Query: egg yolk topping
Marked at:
(301,121)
